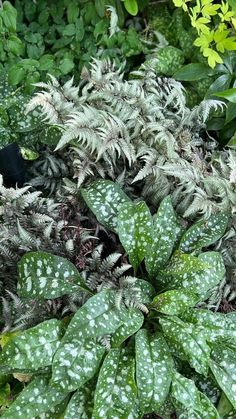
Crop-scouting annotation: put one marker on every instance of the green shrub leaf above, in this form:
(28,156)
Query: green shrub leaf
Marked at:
(174,302)
(37,398)
(198,282)
(133,322)
(165,233)
(80,405)
(154,368)
(204,233)
(76,362)
(188,342)
(43,275)
(195,404)
(135,230)
(131,6)
(105,198)
(192,72)
(115,394)
(34,348)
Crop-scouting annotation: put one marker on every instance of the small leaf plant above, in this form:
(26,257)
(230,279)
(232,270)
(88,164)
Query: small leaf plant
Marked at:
(125,354)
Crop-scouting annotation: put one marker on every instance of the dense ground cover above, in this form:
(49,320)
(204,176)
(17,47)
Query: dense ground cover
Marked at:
(117,209)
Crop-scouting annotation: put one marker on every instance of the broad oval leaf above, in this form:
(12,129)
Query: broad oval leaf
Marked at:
(115,394)
(192,72)
(43,275)
(181,264)
(37,398)
(188,342)
(154,369)
(76,362)
(204,233)
(104,198)
(34,348)
(80,405)
(174,302)
(96,318)
(223,367)
(133,322)
(229,95)
(166,231)
(195,404)
(198,282)
(135,230)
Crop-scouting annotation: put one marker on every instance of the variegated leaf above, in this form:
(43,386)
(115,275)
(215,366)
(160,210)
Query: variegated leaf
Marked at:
(34,348)
(154,368)
(115,394)
(166,231)
(204,233)
(104,198)
(80,405)
(36,398)
(195,404)
(43,275)
(188,342)
(135,231)
(131,325)
(174,302)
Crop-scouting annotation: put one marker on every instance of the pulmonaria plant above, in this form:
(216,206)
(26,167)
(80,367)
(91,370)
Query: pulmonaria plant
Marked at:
(151,354)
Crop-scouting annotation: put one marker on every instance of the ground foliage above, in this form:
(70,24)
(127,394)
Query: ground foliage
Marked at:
(108,333)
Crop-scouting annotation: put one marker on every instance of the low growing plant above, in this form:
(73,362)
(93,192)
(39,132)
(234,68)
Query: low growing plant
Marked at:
(135,344)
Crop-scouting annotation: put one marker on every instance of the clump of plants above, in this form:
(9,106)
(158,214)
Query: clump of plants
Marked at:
(139,341)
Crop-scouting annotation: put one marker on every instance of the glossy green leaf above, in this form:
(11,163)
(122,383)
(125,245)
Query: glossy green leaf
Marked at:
(217,326)
(174,302)
(223,367)
(230,112)
(133,322)
(166,230)
(8,14)
(135,231)
(80,405)
(229,95)
(204,233)
(195,404)
(76,362)
(188,342)
(131,6)
(115,394)
(221,83)
(181,264)
(105,198)
(44,275)
(34,348)
(37,398)
(199,282)
(96,318)
(154,369)
(192,72)
(72,11)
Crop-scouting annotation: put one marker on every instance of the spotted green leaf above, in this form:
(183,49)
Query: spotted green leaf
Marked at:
(135,230)
(188,342)
(166,231)
(104,198)
(133,322)
(96,318)
(34,348)
(204,233)
(115,394)
(223,367)
(174,302)
(37,398)
(154,368)
(80,405)
(181,264)
(43,275)
(76,362)
(198,282)
(195,404)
